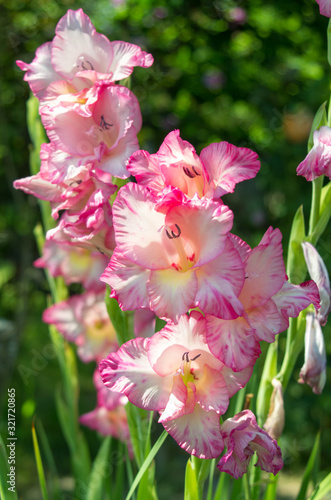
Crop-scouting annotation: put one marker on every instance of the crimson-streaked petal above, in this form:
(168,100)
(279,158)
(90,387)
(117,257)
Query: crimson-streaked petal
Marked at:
(318,160)
(128,281)
(227,165)
(220,282)
(232,342)
(39,187)
(77,46)
(198,433)
(128,371)
(171,293)
(266,320)
(236,380)
(313,371)
(292,299)
(264,270)
(145,168)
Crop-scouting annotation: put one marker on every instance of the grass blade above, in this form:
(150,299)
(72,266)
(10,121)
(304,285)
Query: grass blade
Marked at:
(40,468)
(309,469)
(147,463)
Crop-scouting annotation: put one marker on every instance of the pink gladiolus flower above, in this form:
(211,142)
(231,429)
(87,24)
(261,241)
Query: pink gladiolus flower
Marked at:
(320,275)
(175,373)
(268,301)
(313,371)
(242,437)
(216,172)
(174,261)
(109,416)
(78,193)
(83,319)
(325,7)
(78,57)
(74,264)
(318,160)
(107,137)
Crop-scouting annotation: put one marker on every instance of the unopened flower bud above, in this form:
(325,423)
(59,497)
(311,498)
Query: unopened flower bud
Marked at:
(313,371)
(319,274)
(274,424)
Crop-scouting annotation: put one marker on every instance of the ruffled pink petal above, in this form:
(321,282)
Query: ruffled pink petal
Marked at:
(144,323)
(232,342)
(292,299)
(266,320)
(128,281)
(236,380)
(313,371)
(219,284)
(128,371)
(198,433)
(125,56)
(181,401)
(227,165)
(39,187)
(77,46)
(40,73)
(171,293)
(264,270)
(325,7)
(145,168)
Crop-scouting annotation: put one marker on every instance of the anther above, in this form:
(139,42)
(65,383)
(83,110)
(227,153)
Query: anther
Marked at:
(104,125)
(195,357)
(196,173)
(187,172)
(173,235)
(185,357)
(87,65)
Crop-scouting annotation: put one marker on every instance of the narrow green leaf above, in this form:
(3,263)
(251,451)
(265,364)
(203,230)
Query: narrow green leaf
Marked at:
(319,120)
(309,469)
(40,468)
(211,479)
(98,474)
(265,387)
(191,491)
(146,488)
(324,214)
(329,41)
(147,463)
(322,490)
(222,487)
(4,470)
(296,265)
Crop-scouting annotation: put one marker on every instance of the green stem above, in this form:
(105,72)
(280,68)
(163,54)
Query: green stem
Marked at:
(317,185)
(329,41)
(247,488)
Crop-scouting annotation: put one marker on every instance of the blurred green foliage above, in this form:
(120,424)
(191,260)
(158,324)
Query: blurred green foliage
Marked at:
(249,72)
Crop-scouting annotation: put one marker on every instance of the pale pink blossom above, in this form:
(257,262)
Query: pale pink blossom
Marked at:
(144,323)
(74,264)
(325,7)
(318,160)
(107,138)
(109,417)
(242,437)
(313,371)
(78,57)
(174,261)
(174,373)
(214,173)
(319,273)
(83,319)
(268,301)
